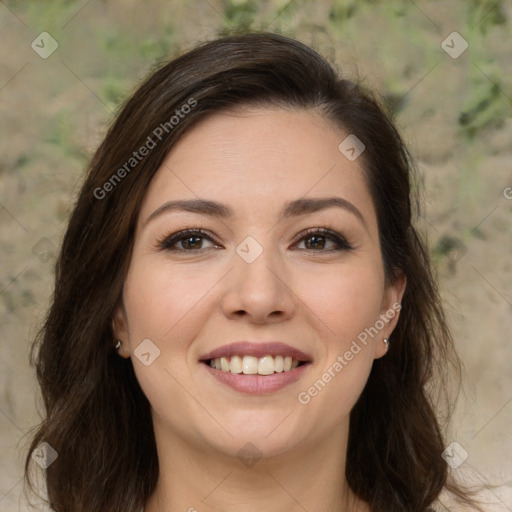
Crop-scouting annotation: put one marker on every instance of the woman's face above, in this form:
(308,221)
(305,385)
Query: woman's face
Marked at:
(286,264)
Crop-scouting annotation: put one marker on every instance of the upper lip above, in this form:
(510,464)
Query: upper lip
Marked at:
(256,349)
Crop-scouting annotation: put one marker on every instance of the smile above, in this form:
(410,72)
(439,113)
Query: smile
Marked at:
(250,365)
(256,368)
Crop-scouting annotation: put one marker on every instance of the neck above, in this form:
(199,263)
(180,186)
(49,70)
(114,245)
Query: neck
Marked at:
(200,479)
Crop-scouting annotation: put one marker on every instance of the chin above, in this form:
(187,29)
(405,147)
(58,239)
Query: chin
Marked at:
(268,434)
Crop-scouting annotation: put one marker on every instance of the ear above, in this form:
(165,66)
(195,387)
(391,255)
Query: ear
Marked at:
(390,312)
(120,330)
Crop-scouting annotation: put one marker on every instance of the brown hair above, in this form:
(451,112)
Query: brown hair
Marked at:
(97,417)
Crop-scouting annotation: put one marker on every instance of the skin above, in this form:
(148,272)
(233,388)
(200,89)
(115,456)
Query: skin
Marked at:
(301,293)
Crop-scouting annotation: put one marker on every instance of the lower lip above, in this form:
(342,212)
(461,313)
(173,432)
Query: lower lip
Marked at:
(257,384)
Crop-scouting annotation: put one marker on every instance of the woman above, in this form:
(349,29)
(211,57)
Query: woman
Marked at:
(244,315)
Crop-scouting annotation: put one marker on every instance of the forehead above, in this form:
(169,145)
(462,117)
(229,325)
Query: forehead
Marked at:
(257,159)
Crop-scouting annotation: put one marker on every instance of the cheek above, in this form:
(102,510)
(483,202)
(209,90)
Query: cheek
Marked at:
(159,300)
(346,300)
(345,303)
(168,307)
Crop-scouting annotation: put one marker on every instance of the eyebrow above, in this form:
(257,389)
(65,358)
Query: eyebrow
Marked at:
(292,209)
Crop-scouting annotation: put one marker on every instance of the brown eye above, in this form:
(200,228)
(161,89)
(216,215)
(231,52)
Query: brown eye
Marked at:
(187,241)
(191,242)
(322,239)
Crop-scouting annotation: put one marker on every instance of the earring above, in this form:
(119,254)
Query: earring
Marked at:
(386,342)
(118,345)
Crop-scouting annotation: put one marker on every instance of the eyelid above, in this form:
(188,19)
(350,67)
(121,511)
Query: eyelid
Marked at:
(167,242)
(330,234)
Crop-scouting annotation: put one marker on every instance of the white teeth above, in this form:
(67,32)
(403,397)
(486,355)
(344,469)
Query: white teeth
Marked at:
(224,364)
(278,364)
(235,365)
(250,365)
(266,365)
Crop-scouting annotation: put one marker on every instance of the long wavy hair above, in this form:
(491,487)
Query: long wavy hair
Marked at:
(97,418)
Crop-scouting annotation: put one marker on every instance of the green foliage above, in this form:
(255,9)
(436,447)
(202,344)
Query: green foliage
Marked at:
(48,15)
(485,14)
(342,11)
(448,251)
(124,53)
(485,101)
(60,134)
(240,14)
(485,105)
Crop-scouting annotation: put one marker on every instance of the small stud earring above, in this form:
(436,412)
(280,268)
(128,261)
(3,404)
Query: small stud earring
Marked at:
(386,342)
(118,344)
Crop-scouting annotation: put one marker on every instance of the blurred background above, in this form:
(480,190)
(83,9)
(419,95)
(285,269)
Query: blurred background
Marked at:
(443,67)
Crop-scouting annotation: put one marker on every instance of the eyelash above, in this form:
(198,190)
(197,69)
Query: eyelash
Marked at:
(168,242)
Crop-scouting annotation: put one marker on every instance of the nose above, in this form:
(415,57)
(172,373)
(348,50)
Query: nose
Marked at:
(259,292)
